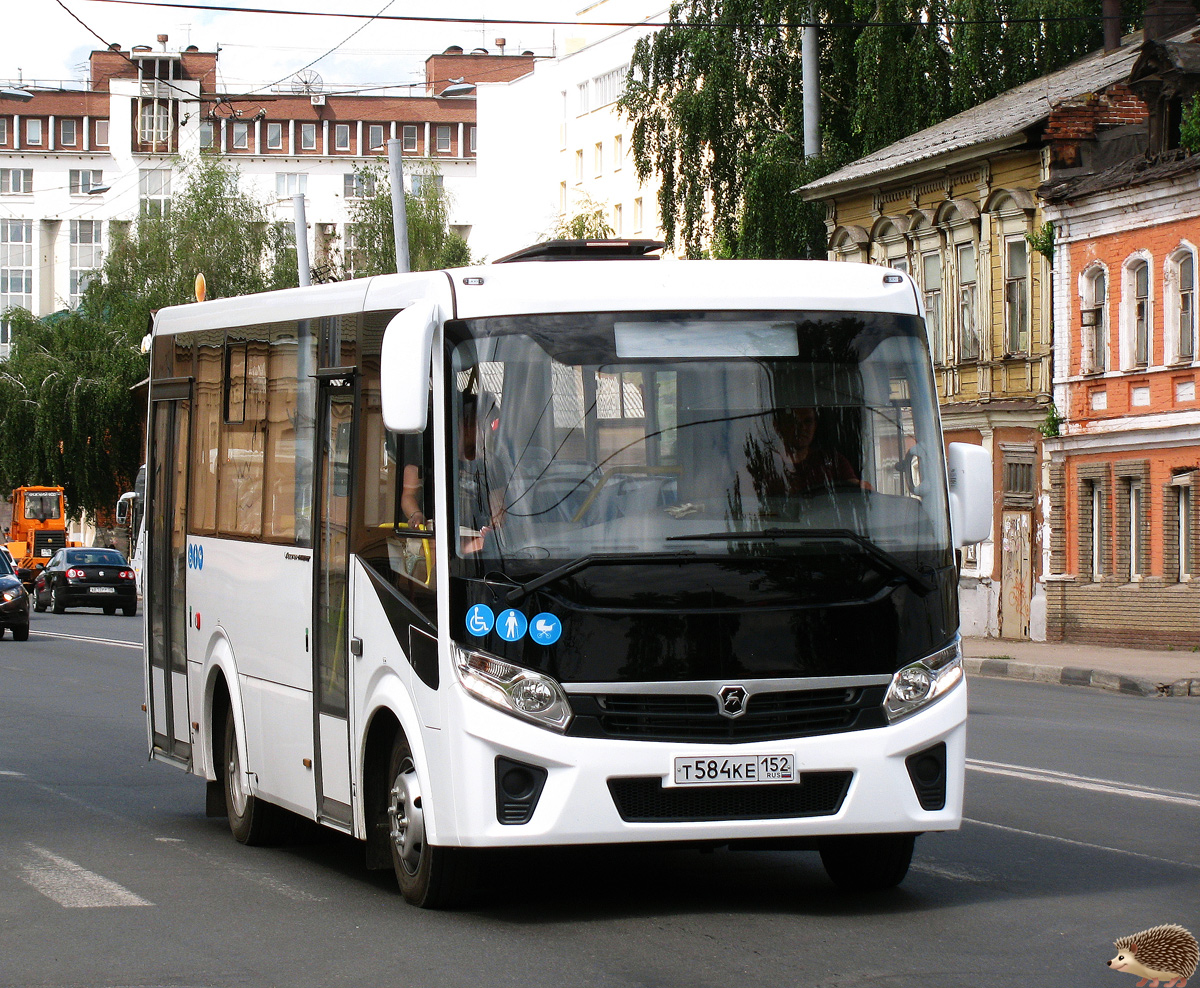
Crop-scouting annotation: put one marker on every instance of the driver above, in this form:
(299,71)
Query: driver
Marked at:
(806,464)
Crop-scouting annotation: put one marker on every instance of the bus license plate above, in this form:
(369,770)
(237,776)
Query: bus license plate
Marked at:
(102,589)
(738,770)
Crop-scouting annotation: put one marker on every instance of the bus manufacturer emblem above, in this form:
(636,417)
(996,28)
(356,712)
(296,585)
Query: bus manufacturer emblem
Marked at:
(733,700)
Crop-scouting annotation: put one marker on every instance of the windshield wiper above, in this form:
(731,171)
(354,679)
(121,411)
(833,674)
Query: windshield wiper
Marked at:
(886,561)
(594,559)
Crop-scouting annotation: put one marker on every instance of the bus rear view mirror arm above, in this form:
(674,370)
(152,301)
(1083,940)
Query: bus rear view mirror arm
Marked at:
(969,474)
(405,367)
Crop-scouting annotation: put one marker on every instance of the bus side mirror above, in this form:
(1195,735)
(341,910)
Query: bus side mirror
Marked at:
(405,367)
(969,472)
(123,511)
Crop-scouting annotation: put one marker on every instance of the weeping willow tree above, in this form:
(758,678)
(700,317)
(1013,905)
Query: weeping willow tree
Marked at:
(431,242)
(65,400)
(715,99)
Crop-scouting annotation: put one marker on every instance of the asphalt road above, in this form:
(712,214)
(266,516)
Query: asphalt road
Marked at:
(1083,815)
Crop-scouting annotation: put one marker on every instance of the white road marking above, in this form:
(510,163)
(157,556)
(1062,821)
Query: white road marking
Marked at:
(1173,862)
(954,874)
(71,885)
(12,775)
(1085,782)
(81,638)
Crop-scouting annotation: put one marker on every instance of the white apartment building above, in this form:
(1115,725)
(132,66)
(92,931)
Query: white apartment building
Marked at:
(76,162)
(574,147)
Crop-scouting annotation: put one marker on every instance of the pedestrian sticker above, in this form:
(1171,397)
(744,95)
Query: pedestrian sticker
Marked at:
(511,625)
(545,629)
(480,620)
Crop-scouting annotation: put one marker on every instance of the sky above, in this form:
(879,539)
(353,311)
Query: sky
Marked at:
(41,43)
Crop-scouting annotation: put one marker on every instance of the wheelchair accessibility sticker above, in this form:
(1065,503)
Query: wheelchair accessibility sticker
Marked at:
(480,620)
(545,629)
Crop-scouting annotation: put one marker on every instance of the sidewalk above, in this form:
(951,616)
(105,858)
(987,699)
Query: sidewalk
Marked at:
(1141,672)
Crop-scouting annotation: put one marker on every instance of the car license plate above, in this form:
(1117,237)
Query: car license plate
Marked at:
(736,770)
(102,589)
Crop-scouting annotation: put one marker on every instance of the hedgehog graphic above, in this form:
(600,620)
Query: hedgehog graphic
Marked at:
(1166,954)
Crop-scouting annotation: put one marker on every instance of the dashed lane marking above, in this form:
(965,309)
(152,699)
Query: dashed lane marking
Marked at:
(71,885)
(83,638)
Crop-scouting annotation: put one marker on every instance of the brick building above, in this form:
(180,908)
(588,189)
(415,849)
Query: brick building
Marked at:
(1125,203)
(73,163)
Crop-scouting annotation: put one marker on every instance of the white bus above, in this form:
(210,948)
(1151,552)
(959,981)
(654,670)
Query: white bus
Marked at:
(593,551)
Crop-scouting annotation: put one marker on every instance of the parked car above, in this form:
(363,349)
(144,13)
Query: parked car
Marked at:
(86,578)
(14,601)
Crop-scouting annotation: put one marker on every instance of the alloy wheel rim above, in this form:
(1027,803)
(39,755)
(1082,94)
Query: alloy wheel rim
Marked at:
(406,817)
(237,789)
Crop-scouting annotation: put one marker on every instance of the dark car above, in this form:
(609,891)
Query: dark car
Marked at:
(14,602)
(86,578)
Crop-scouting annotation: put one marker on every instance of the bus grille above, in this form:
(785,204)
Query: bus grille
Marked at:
(696,717)
(645,800)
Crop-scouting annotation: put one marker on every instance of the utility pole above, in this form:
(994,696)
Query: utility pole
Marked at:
(399,210)
(303,267)
(811,84)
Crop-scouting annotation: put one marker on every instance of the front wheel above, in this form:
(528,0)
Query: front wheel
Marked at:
(21,632)
(867,863)
(37,601)
(252,820)
(429,876)
(57,604)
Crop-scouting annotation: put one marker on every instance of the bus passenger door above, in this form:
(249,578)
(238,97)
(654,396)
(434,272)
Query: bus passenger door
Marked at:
(166,571)
(331,639)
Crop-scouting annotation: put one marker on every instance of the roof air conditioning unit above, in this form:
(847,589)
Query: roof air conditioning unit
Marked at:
(317,99)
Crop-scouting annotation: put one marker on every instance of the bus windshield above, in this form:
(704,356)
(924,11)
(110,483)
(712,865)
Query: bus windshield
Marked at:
(707,433)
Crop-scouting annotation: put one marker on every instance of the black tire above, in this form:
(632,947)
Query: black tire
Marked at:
(21,632)
(429,876)
(110,610)
(867,863)
(57,605)
(37,601)
(3,628)
(129,610)
(252,820)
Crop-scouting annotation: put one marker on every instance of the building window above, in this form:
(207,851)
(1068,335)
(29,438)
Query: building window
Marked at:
(16,181)
(375,137)
(471,138)
(67,133)
(341,137)
(288,184)
(274,137)
(1183,525)
(86,256)
(610,86)
(418,181)
(408,135)
(637,215)
(1135,314)
(101,133)
(353,255)
(155,123)
(1016,295)
(16,269)
(562,198)
(1181,307)
(1134,500)
(618,152)
(583,98)
(579,165)
(1019,476)
(241,135)
(208,133)
(443,139)
(308,137)
(355,186)
(931,283)
(598,158)
(618,221)
(3,130)
(154,190)
(83,180)
(1093,323)
(33,131)
(1096,498)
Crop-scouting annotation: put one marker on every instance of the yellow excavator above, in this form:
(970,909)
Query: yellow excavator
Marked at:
(38,529)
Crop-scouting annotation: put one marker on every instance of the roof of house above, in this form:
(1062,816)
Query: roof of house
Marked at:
(1127,174)
(1007,115)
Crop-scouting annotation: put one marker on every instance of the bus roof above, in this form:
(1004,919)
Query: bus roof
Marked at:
(575,286)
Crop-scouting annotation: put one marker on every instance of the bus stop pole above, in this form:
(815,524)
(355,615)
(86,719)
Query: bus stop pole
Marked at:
(399,211)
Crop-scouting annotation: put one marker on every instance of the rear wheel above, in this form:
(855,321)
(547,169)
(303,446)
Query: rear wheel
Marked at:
(21,632)
(37,601)
(57,604)
(252,820)
(869,862)
(110,610)
(429,876)
(129,610)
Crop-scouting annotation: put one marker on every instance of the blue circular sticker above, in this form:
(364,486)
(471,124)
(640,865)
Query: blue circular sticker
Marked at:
(480,620)
(511,625)
(545,629)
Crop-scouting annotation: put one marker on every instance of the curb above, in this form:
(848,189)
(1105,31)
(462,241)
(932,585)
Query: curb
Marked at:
(1071,676)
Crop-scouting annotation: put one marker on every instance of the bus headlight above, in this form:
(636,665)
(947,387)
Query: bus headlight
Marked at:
(516,690)
(919,684)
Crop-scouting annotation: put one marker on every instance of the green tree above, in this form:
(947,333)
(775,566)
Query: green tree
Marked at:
(431,242)
(588,222)
(716,99)
(65,389)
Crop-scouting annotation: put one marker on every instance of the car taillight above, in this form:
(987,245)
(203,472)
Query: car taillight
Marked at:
(75,574)
(126,574)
